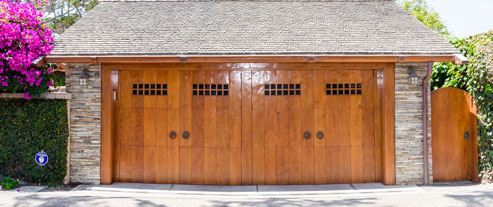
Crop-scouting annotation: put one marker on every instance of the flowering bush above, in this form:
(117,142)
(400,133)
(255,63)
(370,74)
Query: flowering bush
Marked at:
(23,39)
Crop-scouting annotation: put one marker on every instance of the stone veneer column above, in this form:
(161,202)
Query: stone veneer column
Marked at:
(409,126)
(85,123)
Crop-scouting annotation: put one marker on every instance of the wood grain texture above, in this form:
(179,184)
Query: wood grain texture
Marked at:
(454,157)
(389,126)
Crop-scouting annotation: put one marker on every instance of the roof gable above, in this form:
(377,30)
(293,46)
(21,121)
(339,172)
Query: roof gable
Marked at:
(249,28)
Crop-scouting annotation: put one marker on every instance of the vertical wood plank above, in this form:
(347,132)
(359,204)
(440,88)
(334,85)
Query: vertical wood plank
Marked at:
(149,164)
(307,154)
(258,124)
(389,126)
(125,163)
(185,117)
(197,175)
(174,126)
(282,105)
(137,164)
(149,127)
(320,150)
(378,76)
(270,130)
(344,164)
(295,132)
(222,164)
(185,165)
(332,164)
(161,164)
(234,165)
(235,125)
(368,164)
(246,139)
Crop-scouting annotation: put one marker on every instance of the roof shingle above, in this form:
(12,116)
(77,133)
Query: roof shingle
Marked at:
(163,27)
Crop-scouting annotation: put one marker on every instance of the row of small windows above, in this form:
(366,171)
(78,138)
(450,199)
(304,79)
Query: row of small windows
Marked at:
(343,89)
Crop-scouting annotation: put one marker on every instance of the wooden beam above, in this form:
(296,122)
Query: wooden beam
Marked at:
(255,59)
(106,127)
(461,60)
(389,126)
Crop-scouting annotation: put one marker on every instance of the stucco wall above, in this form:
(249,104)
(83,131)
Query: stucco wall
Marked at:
(85,123)
(409,126)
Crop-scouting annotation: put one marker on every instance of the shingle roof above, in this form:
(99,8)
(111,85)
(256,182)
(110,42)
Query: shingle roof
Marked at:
(331,27)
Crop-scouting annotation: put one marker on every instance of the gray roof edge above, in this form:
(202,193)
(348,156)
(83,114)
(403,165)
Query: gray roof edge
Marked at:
(264,54)
(242,0)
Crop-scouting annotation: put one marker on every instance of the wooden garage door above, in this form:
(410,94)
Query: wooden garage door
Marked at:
(248,127)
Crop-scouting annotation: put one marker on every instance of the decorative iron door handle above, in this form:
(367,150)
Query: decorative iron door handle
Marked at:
(172,135)
(186,135)
(466,135)
(306,135)
(320,135)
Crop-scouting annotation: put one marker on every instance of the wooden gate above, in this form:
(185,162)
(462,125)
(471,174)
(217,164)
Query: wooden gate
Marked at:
(454,143)
(249,127)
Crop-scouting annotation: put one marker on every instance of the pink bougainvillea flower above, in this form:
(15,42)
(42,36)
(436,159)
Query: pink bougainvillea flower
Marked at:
(23,39)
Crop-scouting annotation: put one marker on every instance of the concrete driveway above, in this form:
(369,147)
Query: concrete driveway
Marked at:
(124,194)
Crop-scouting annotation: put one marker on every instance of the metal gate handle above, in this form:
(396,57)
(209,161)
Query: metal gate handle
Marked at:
(320,135)
(306,135)
(186,135)
(172,135)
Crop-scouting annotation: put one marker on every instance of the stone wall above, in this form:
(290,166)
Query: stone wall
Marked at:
(85,123)
(409,126)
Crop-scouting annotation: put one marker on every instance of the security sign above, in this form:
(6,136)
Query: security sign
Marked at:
(41,158)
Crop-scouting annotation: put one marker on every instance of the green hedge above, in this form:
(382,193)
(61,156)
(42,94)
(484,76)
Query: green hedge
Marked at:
(28,127)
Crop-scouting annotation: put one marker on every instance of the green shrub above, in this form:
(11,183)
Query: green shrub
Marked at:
(28,127)
(8,183)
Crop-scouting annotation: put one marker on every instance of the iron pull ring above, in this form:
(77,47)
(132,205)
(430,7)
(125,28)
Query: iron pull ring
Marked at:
(172,135)
(186,135)
(320,135)
(306,135)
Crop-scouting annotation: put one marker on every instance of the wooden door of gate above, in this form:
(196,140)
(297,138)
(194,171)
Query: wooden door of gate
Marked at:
(454,143)
(249,127)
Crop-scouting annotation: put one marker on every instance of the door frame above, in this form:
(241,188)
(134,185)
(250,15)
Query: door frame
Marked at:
(108,105)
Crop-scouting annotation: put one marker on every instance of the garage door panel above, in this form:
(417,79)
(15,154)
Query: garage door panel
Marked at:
(331,131)
(270,165)
(368,164)
(210,127)
(222,163)
(258,109)
(174,164)
(234,166)
(137,126)
(138,164)
(320,164)
(356,164)
(210,166)
(161,127)
(333,164)
(125,165)
(258,165)
(137,77)
(124,90)
(356,129)
(331,77)
(344,164)
(368,117)
(369,89)
(282,127)
(185,116)
(295,165)
(246,166)
(282,165)
(197,173)
(307,168)
(161,101)
(185,165)
(161,165)
(149,127)
(246,109)
(235,90)
(235,128)
(343,77)
(356,79)
(343,126)
(173,127)
(149,80)
(149,164)
(294,128)
(222,129)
